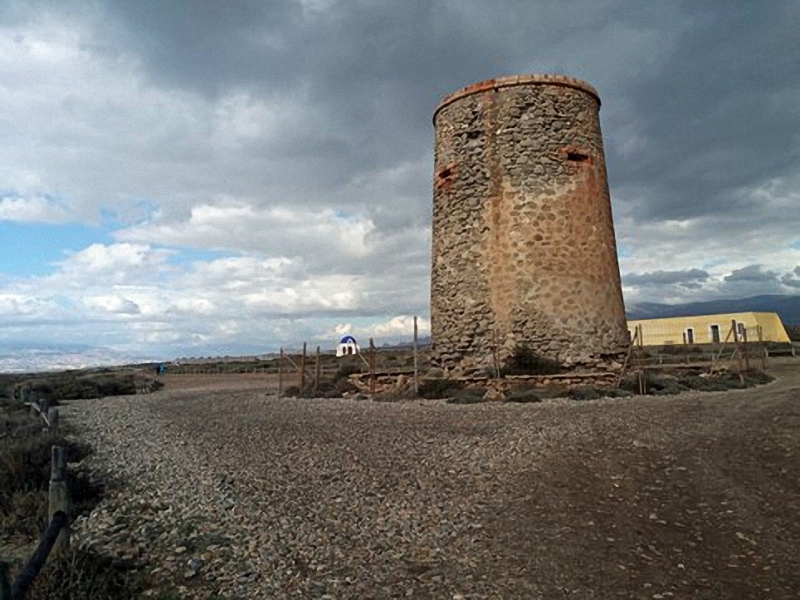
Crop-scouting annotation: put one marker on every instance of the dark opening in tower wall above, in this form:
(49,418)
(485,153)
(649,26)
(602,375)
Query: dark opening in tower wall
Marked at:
(577,156)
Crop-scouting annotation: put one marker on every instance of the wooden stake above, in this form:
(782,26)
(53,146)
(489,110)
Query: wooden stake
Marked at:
(642,382)
(280,374)
(737,351)
(303,371)
(59,495)
(495,357)
(685,348)
(371,366)
(763,347)
(746,355)
(416,365)
(52,419)
(628,356)
(316,375)
(5,584)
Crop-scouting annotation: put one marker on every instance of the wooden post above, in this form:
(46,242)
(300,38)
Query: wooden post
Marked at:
(416,364)
(5,584)
(746,354)
(59,495)
(280,374)
(52,419)
(495,357)
(316,375)
(642,381)
(763,347)
(303,371)
(685,348)
(737,351)
(47,543)
(371,366)
(628,357)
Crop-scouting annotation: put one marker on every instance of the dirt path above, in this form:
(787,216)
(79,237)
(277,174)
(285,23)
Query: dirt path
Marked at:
(693,496)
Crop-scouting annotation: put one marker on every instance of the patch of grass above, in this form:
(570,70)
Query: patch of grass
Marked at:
(25,454)
(85,575)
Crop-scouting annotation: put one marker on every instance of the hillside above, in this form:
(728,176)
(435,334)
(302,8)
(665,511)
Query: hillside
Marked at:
(787,307)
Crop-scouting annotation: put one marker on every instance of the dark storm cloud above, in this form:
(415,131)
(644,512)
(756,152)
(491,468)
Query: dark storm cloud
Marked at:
(718,110)
(721,115)
(378,69)
(659,278)
(751,273)
(790,281)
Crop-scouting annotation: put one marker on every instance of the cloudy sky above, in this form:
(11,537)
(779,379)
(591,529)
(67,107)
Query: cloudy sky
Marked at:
(201,178)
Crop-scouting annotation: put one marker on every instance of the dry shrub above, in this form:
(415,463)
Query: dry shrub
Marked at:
(523,396)
(524,361)
(438,389)
(85,575)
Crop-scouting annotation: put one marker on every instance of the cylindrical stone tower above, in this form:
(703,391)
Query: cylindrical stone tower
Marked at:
(523,240)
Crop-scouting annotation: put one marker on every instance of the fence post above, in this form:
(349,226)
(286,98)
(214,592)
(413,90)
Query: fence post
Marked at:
(416,364)
(685,348)
(316,375)
(737,351)
(280,374)
(746,354)
(5,585)
(763,347)
(303,371)
(52,418)
(371,366)
(59,495)
(47,543)
(642,380)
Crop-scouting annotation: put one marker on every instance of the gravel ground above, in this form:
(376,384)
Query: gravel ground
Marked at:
(236,493)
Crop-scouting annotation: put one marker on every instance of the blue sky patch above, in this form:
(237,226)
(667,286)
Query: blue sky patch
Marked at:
(624,251)
(32,249)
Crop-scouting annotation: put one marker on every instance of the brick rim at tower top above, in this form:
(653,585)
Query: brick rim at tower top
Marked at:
(512,80)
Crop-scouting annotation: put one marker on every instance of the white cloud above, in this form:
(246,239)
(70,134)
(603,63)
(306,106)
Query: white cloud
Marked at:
(113,304)
(29,210)
(274,231)
(399,328)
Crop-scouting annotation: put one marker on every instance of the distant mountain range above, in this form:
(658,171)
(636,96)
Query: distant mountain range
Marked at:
(787,307)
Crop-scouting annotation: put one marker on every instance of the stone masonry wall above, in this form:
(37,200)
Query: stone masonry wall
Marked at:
(523,239)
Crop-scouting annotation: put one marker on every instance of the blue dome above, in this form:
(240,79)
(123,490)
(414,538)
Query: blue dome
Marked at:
(348,339)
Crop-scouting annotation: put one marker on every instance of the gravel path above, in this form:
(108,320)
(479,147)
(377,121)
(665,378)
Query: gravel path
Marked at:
(281,497)
(247,496)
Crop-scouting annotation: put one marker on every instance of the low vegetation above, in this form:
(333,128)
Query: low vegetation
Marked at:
(524,361)
(25,455)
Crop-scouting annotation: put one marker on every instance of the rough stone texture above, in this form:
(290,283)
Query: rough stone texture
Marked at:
(523,239)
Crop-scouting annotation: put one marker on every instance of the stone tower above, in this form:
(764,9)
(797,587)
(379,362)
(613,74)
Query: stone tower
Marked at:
(523,240)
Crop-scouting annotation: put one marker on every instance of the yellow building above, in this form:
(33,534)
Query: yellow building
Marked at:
(710,329)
